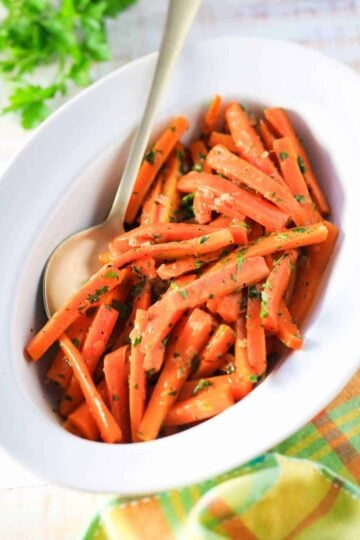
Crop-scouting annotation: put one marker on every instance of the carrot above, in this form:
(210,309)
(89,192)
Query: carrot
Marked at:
(60,371)
(116,377)
(238,387)
(198,151)
(187,264)
(203,205)
(226,279)
(201,407)
(150,209)
(91,294)
(157,234)
(228,307)
(280,123)
(211,116)
(248,143)
(292,175)
(152,163)
(212,356)
(137,378)
(267,135)
(224,139)
(256,344)
(311,268)
(109,430)
(288,332)
(170,198)
(274,289)
(230,195)
(241,171)
(81,422)
(177,368)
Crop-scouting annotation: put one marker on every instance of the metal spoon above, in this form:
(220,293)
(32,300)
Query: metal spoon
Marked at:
(75,259)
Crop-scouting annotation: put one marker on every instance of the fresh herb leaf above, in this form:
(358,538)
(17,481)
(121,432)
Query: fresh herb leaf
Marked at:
(301,164)
(95,297)
(253,292)
(299,198)
(283,156)
(201,385)
(111,274)
(150,157)
(203,239)
(197,167)
(136,341)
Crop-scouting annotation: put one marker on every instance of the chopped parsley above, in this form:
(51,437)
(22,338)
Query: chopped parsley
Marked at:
(301,164)
(172,128)
(95,297)
(165,341)
(123,308)
(111,275)
(300,229)
(136,341)
(76,342)
(180,155)
(201,385)
(253,292)
(197,167)
(203,239)
(230,369)
(211,296)
(198,264)
(150,157)
(172,393)
(183,293)
(283,156)
(115,397)
(187,199)
(253,378)
(299,198)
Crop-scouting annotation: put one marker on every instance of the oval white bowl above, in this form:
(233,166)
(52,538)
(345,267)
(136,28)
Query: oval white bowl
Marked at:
(63,181)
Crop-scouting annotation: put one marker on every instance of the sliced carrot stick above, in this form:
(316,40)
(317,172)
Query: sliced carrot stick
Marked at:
(311,268)
(228,307)
(187,264)
(256,344)
(137,377)
(212,356)
(81,422)
(267,134)
(288,332)
(150,208)
(116,371)
(243,172)
(224,139)
(211,116)
(237,385)
(201,407)
(292,175)
(225,280)
(280,123)
(242,367)
(248,143)
(94,347)
(109,429)
(60,370)
(198,151)
(157,234)
(203,205)
(176,370)
(152,163)
(274,289)
(91,294)
(228,195)
(170,197)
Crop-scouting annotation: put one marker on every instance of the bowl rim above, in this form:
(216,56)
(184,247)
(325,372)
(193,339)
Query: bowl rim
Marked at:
(326,395)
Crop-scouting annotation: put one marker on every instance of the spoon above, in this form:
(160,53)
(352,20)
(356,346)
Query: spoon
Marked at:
(76,258)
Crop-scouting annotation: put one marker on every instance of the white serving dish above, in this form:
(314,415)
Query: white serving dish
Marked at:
(63,181)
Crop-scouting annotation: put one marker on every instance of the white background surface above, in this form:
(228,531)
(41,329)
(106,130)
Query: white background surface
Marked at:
(30,508)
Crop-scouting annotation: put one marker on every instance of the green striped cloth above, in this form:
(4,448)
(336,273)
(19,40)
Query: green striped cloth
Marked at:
(307,488)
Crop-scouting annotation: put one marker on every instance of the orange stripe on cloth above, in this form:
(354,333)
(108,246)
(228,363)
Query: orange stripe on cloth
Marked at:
(229,523)
(145,519)
(319,511)
(350,391)
(338,443)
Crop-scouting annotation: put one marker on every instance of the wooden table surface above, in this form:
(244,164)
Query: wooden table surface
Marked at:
(30,507)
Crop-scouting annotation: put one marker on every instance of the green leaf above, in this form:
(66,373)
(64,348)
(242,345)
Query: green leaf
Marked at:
(115,6)
(33,114)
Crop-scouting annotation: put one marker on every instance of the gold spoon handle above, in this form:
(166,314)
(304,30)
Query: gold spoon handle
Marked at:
(180,15)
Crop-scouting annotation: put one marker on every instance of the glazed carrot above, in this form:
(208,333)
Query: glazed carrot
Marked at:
(203,205)
(200,407)
(91,294)
(248,143)
(267,135)
(212,356)
(224,139)
(170,197)
(116,370)
(211,116)
(150,209)
(226,279)
(94,347)
(198,151)
(228,194)
(109,430)
(153,162)
(243,368)
(157,234)
(255,333)
(288,332)
(187,264)
(311,268)
(280,123)
(60,370)
(228,307)
(238,386)
(81,422)
(176,369)
(292,175)
(243,172)
(274,288)
(137,378)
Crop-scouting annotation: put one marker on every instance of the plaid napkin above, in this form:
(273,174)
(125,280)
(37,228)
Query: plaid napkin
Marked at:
(306,489)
